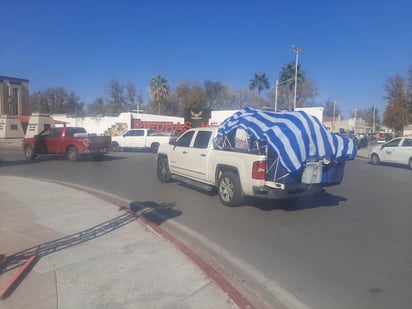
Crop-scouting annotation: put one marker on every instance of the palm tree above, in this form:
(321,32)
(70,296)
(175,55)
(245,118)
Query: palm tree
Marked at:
(288,72)
(259,81)
(159,89)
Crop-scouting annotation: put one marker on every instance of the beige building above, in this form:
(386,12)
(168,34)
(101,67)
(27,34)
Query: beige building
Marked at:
(14,96)
(14,106)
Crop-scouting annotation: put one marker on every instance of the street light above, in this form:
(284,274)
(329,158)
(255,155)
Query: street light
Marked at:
(276,91)
(296,50)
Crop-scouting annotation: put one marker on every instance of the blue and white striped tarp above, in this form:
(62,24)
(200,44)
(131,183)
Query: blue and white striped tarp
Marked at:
(293,137)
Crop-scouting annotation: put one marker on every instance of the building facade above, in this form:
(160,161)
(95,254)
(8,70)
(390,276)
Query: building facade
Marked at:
(14,106)
(14,96)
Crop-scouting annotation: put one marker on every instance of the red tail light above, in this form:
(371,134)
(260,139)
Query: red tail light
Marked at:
(259,170)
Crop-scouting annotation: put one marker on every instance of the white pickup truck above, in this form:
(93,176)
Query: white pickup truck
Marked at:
(140,139)
(237,168)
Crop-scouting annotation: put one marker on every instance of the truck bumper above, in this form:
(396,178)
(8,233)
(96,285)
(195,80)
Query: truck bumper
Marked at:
(289,191)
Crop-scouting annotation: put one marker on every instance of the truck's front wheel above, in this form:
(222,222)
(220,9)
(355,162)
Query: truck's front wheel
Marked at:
(154,147)
(28,152)
(163,171)
(229,189)
(73,154)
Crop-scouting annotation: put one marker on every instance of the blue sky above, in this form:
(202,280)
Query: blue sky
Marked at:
(350,47)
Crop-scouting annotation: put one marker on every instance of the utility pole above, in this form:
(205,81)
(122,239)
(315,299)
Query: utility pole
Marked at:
(296,50)
(373,122)
(276,91)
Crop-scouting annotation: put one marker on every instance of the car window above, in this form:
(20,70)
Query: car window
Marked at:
(45,133)
(202,139)
(407,142)
(393,143)
(79,130)
(185,139)
(69,132)
(56,132)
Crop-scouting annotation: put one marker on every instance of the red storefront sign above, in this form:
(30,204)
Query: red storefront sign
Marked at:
(164,126)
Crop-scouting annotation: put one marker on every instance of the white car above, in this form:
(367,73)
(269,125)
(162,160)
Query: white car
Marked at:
(397,150)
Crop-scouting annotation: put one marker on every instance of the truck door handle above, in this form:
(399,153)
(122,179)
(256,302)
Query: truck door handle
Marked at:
(203,155)
(184,152)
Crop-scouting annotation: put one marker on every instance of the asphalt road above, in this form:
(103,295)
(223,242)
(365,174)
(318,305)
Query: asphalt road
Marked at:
(350,247)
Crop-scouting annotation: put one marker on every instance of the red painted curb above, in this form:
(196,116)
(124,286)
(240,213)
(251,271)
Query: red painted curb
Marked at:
(225,285)
(17,276)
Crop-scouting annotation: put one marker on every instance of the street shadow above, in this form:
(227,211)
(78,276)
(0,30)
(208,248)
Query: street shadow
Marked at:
(48,158)
(4,163)
(321,199)
(141,150)
(17,260)
(154,212)
(395,165)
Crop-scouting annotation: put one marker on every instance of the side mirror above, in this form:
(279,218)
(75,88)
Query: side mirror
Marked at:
(172,141)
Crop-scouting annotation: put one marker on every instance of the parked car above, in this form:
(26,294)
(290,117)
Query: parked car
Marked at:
(140,139)
(397,150)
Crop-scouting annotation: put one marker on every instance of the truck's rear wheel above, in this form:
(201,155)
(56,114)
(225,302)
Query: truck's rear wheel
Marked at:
(163,171)
(116,146)
(229,189)
(28,152)
(73,154)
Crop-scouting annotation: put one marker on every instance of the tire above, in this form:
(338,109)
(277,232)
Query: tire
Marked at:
(73,154)
(229,189)
(410,163)
(154,147)
(375,159)
(116,146)
(163,171)
(28,152)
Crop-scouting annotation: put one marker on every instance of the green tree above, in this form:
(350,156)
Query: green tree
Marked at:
(305,89)
(216,92)
(259,82)
(56,101)
(159,89)
(396,114)
(191,95)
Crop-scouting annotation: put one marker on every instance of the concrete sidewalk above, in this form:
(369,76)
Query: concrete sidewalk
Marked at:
(92,253)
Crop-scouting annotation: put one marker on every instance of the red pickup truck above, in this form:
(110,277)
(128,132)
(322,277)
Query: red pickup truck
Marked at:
(70,141)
